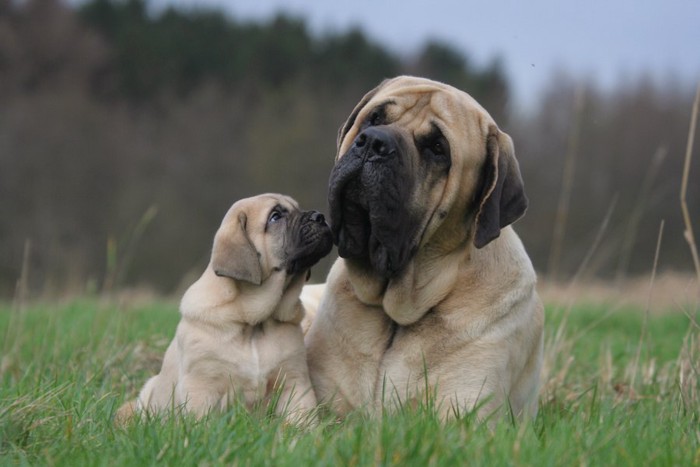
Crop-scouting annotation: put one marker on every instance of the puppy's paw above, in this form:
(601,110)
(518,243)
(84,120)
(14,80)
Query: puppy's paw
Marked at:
(125,413)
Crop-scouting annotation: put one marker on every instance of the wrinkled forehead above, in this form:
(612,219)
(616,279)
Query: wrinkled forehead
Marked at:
(417,99)
(423,104)
(276,200)
(260,206)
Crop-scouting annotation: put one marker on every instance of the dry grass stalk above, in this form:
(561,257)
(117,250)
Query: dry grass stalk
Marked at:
(567,184)
(556,364)
(554,370)
(22,287)
(120,255)
(630,235)
(596,242)
(689,235)
(10,342)
(688,372)
(645,322)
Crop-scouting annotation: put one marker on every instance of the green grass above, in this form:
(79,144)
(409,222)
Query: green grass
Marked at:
(67,367)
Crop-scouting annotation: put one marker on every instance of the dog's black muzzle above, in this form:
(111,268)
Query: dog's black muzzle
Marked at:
(369,192)
(377,144)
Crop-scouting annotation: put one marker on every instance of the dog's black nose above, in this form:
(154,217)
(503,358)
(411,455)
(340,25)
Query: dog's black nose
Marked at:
(378,141)
(317,217)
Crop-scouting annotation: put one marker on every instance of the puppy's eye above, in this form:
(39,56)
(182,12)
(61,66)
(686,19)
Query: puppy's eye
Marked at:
(438,148)
(275,216)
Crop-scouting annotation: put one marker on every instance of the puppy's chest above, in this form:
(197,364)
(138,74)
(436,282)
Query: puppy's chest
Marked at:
(258,355)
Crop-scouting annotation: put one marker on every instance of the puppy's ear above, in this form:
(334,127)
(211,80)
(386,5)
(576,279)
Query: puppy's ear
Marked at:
(345,127)
(501,199)
(234,254)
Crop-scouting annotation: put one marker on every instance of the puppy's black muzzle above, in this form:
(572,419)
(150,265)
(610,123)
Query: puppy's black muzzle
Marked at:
(312,240)
(317,217)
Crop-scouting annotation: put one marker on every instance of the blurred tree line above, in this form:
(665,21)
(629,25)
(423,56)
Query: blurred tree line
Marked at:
(125,135)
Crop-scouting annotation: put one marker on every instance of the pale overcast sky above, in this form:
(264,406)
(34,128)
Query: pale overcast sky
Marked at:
(603,40)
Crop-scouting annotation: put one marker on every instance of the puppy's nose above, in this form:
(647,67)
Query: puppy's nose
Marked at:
(378,141)
(317,217)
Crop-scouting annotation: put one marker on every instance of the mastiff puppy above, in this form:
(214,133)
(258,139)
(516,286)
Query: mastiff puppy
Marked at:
(240,335)
(433,295)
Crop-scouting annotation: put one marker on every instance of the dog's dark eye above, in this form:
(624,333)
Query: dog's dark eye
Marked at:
(376,118)
(435,148)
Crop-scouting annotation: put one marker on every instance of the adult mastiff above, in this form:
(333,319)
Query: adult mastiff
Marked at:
(431,281)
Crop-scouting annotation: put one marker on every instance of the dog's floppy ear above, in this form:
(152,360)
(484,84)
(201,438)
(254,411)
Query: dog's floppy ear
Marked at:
(502,198)
(234,254)
(345,127)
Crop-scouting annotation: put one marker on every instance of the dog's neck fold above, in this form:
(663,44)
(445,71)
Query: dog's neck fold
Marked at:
(241,303)
(430,278)
(426,282)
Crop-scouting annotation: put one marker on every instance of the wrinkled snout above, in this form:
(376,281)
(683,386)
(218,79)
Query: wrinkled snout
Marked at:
(312,241)
(376,142)
(317,217)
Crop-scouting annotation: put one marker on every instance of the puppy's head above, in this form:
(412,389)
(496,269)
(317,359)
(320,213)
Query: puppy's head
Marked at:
(269,234)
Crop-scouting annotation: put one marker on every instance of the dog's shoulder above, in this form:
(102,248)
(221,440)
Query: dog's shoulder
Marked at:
(311,299)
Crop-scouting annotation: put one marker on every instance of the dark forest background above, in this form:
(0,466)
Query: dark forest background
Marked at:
(126,135)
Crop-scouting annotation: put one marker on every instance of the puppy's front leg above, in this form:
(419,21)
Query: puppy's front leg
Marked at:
(297,397)
(199,397)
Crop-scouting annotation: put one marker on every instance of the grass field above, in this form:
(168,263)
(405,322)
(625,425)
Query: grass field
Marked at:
(616,392)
